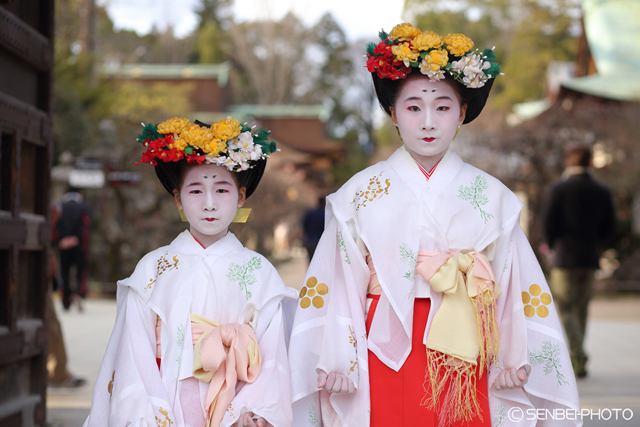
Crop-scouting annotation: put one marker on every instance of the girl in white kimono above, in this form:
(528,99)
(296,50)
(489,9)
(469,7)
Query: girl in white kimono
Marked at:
(424,303)
(199,337)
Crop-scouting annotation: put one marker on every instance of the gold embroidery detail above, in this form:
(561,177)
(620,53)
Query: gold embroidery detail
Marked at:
(163,265)
(309,295)
(536,302)
(163,423)
(230,410)
(353,341)
(374,190)
(110,386)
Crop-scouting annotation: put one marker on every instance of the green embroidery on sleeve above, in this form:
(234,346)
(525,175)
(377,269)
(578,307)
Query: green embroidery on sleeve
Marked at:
(472,194)
(343,248)
(243,274)
(500,416)
(549,356)
(408,256)
(314,420)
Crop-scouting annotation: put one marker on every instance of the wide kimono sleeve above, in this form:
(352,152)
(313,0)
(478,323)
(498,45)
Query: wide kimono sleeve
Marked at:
(129,389)
(329,331)
(270,394)
(530,334)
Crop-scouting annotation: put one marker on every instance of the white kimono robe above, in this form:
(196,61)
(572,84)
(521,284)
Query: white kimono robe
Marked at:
(225,283)
(391,211)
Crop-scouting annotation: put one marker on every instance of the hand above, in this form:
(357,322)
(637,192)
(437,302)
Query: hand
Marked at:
(510,378)
(68,242)
(248,419)
(335,383)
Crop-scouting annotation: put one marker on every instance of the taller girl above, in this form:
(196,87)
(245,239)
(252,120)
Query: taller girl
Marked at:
(424,303)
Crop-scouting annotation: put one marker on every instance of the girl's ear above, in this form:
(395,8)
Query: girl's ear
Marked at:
(394,119)
(176,198)
(463,113)
(242,196)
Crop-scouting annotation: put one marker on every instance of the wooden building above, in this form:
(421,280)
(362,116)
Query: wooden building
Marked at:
(26,71)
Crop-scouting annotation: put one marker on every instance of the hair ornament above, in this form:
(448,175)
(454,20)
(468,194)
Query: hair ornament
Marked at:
(227,142)
(406,48)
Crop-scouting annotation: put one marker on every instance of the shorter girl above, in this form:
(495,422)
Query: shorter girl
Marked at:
(199,337)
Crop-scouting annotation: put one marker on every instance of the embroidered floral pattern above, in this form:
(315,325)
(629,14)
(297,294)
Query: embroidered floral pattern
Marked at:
(180,342)
(313,293)
(343,248)
(549,356)
(374,190)
(243,274)
(314,420)
(230,410)
(500,416)
(166,422)
(408,256)
(110,385)
(536,301)
(163,265)
(354,363)
(473,194)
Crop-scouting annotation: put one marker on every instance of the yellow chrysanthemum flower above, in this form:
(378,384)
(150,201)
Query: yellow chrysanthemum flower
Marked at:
(180,144)
(437,59)
(173,125)
(404,32)
(404,53)
(458,44)
(196,136)
(427,40)
(226,129)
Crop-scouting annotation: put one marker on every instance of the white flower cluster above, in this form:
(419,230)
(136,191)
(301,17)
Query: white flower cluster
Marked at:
(241,151)
(469,70)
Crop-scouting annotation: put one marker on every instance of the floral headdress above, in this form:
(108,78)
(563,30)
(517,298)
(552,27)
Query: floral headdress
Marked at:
(226,142)
(406,47)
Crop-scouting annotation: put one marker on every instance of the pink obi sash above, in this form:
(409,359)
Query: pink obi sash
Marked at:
(223,354)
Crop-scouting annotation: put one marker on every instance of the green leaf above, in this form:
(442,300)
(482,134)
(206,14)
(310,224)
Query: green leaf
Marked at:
(149,132)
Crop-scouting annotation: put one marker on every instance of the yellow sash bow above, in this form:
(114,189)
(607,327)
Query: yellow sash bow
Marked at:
(222,355)
(464,329)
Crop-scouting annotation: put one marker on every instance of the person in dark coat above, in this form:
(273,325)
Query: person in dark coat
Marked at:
(313,226)
(578,221)
(73,230)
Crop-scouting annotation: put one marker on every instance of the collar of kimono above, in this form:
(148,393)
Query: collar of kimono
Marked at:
(469,292)
(187,244)
(222,355)
(427,173)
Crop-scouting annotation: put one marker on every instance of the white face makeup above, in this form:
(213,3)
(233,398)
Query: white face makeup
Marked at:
(427,114)
(209,197)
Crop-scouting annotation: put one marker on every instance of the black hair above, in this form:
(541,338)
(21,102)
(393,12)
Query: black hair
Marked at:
(388,90)
(578,155)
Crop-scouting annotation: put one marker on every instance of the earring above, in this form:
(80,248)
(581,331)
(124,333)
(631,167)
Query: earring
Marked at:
(183,217)
(456,134)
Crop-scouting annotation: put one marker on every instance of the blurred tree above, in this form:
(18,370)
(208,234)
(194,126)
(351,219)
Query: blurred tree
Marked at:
(268,59)
(528,34)
(215,17)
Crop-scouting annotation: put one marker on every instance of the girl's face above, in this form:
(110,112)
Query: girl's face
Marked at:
(427,114)
(209,197)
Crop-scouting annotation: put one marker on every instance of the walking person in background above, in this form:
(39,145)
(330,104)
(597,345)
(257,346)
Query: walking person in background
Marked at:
(578,220)
(59,375)
(73,230)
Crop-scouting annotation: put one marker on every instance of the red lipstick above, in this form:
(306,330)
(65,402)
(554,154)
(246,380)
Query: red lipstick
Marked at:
(210,219)
(428,139)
